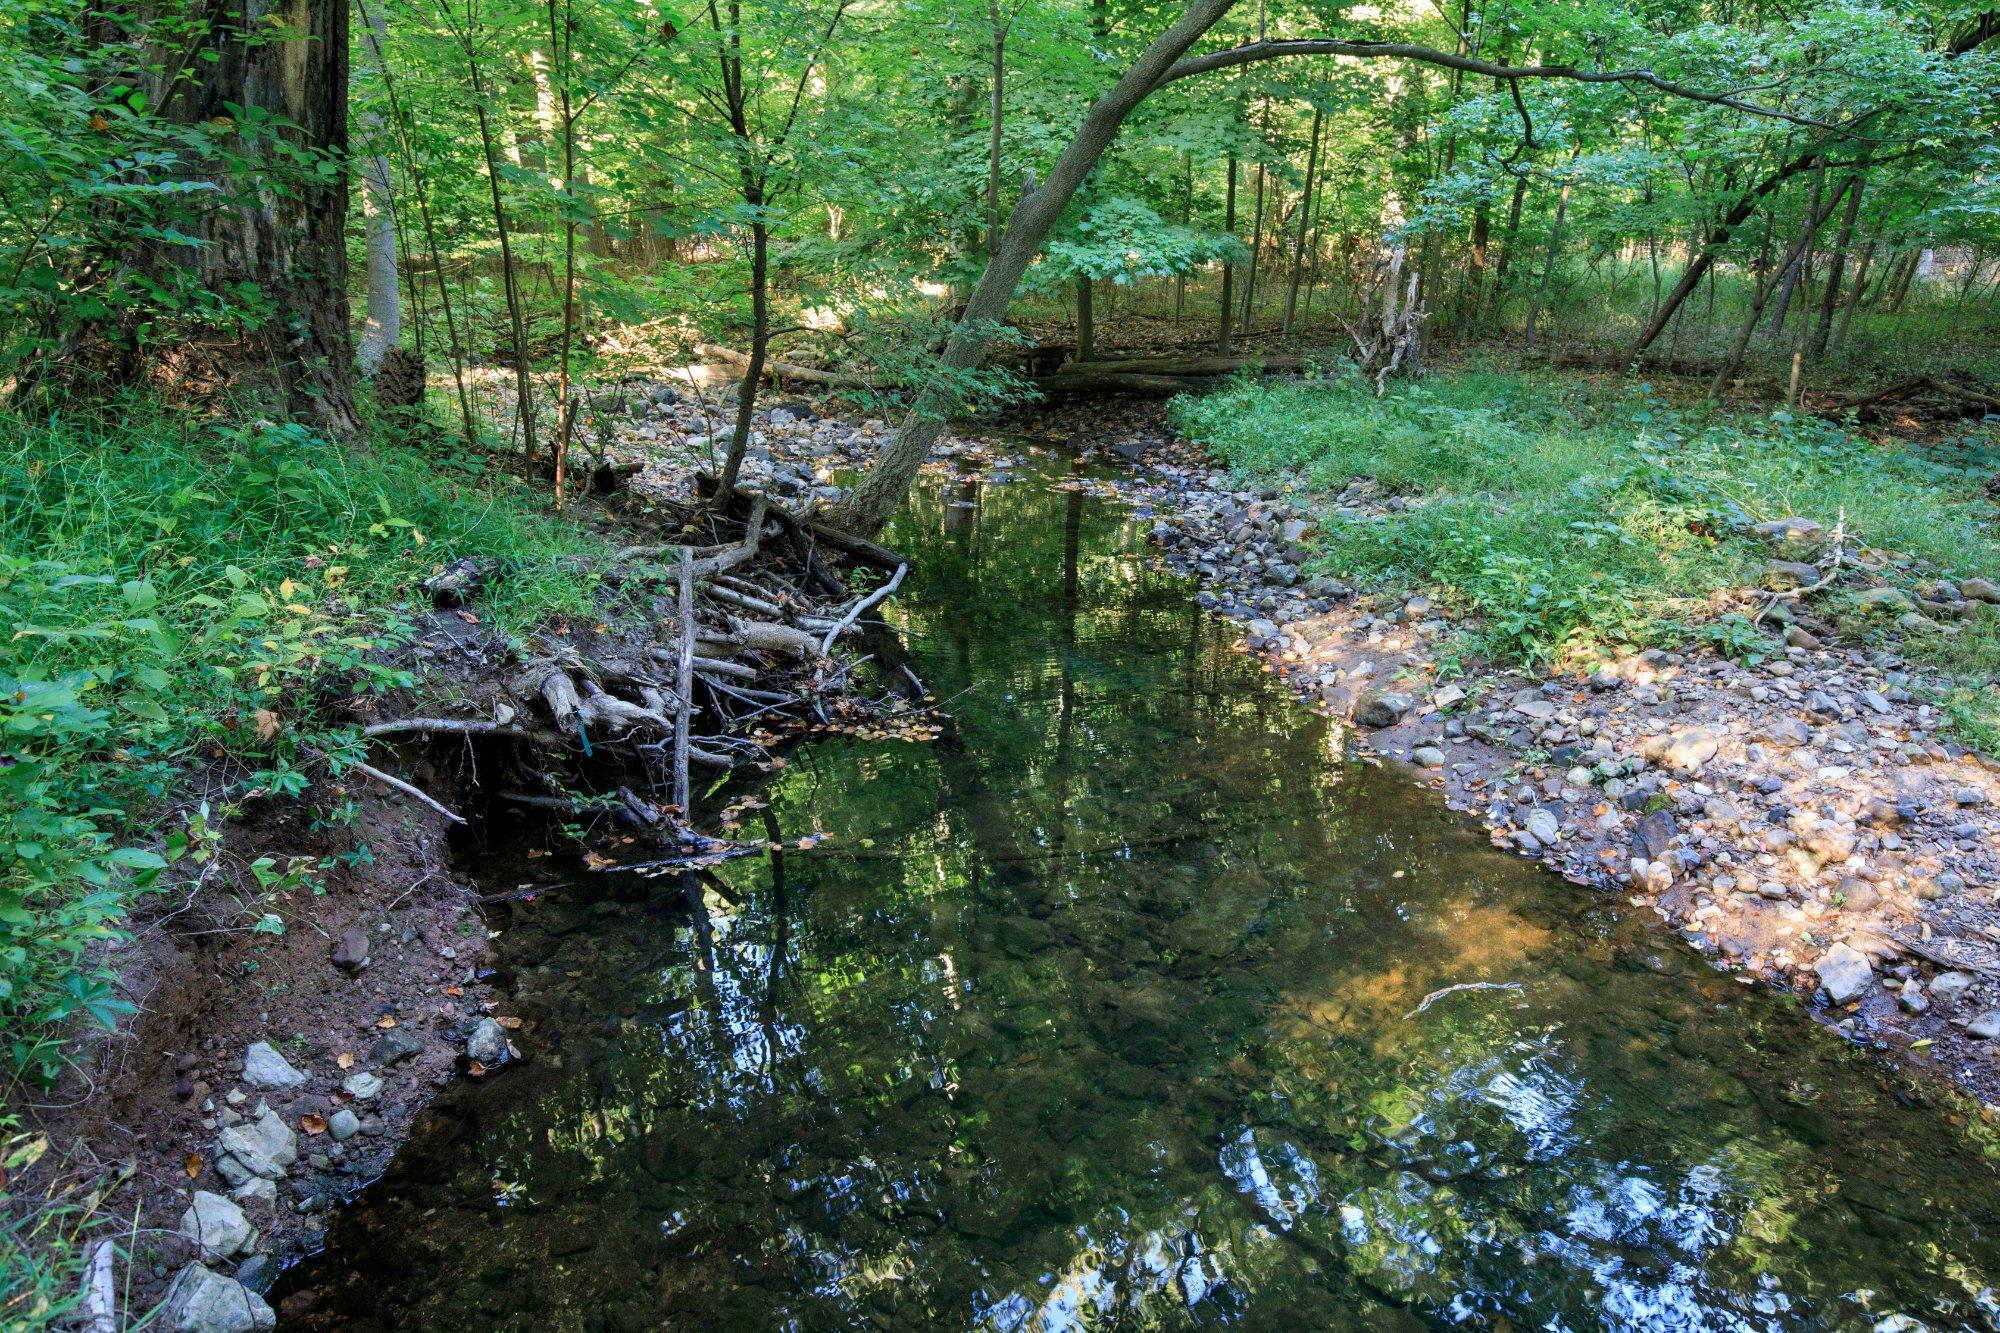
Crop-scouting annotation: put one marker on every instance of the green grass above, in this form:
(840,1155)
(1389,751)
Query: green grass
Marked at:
(1571,518)
(178,591)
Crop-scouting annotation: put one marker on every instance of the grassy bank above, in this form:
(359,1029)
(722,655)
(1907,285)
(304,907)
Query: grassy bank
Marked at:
(183,596)
(179,592)
(1570,517)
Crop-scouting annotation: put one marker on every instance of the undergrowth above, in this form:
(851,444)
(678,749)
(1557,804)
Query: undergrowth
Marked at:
(179,592)
(1570,519)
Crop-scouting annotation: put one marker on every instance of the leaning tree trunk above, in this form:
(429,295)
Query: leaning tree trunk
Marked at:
(289,61)
(868,506)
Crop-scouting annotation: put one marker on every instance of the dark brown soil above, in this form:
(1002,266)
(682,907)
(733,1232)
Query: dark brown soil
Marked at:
(150,1099)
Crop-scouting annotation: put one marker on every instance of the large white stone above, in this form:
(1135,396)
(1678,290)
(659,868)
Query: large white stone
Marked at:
(202,1301)
(264,1068)
(261,1147)
(217,1225)
(1845,972)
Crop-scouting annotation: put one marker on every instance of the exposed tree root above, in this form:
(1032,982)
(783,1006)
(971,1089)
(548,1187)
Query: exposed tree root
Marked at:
(735,648)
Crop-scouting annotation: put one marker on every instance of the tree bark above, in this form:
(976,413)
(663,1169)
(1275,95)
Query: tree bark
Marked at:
(289,60)
(1789,280)
(1086,319)
(383,327)
(1228,269)
(1860,289)
(1508,242)
(1256,240)
(1837,269)
(998,107)
(1305,216)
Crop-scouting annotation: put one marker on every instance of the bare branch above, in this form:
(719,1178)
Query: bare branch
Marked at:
(1253,52)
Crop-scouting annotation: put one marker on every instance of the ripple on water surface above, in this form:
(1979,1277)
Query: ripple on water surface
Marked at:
(1103,1013)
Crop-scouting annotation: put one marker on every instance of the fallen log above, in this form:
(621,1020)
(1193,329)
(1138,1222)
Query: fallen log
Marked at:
(787,370)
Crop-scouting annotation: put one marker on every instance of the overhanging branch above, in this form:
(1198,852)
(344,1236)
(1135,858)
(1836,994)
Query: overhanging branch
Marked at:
(1252,52)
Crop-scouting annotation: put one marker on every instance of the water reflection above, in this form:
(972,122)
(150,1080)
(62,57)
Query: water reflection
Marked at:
(1106,1011)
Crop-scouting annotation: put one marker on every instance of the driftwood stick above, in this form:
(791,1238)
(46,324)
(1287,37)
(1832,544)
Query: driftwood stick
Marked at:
(731,597)
(1827,576)
(716,666)
(1439,994)
(457,726)
(846,622)
(369,770)
(684,672)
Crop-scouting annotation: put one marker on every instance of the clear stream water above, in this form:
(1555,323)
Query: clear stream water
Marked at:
(1098,1013)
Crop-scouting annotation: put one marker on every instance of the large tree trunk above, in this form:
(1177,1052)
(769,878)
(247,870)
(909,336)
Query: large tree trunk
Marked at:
(868,506)
(288,243)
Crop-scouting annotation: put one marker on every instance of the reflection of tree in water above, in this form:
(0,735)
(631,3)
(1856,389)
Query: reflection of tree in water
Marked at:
(1096,1015)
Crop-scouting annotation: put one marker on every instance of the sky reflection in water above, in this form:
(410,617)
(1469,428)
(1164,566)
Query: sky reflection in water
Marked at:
(1099,1015)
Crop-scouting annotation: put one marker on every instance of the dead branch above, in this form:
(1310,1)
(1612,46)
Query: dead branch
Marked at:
(685,671)
(786,370)
(369,770)
(456,726)
(846,622)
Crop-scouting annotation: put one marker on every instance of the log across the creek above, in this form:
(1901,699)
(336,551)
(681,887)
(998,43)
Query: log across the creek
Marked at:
(1157,375)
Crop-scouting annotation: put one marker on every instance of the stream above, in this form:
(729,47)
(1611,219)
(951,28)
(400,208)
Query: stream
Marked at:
(1107,1009)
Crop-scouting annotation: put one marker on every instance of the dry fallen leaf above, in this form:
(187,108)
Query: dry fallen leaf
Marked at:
(345,1059)
(194,1165)
(267,724)
(313,1123)
(454,990)
(509,1022)
(476,1069)
(386,1021)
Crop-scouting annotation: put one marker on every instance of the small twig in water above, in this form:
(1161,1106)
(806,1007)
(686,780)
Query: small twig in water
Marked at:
(1437,995)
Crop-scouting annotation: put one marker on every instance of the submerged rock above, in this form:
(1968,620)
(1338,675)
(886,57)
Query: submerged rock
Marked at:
(487,1044)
